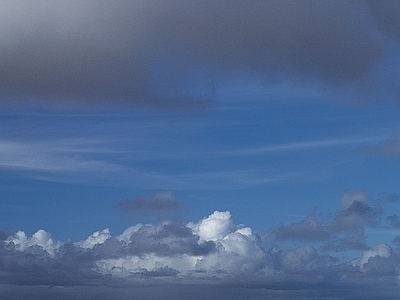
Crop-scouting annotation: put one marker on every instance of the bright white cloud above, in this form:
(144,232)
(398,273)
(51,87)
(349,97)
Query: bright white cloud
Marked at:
(96,238)
(126,235)
(41,238)
(214,227)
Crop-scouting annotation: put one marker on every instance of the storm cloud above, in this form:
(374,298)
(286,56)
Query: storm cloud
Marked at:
(175,54)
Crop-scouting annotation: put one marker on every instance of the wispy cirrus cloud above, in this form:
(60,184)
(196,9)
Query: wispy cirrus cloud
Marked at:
(115,160)
(317,144)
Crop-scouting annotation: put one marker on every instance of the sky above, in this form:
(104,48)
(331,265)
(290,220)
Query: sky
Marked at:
(199,149)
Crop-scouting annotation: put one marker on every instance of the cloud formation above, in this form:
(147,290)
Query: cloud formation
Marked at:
(212,253)
(173,54)
(344,230)
(162,205)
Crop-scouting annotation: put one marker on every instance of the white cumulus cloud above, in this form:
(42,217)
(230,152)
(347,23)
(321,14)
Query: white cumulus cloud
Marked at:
(96,238)
(41,238)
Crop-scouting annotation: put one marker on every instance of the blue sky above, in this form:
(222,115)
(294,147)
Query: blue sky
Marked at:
(217,148)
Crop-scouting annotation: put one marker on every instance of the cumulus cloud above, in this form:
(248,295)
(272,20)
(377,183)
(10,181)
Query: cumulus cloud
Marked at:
(214,227)
(172,54)
(356,212)
(96,238)
(210,254)
(381,250)
(41,238)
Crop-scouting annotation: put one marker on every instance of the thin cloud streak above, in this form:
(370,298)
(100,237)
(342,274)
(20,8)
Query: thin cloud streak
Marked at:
(97,161)
(299,146)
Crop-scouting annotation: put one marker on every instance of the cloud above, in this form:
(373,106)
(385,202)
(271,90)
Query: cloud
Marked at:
(97,238)
(214,227)
(356,212)
(212,254)
(344,230)
(393,221)
(386,14)
(41,238)
(162,205)
(381,250)
(389,148)
(173,54)
(308,229)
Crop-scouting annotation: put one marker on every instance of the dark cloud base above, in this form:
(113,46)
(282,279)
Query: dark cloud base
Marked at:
(210,259)
(195,292)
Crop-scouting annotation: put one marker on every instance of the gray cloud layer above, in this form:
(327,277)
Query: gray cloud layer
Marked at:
(173,53)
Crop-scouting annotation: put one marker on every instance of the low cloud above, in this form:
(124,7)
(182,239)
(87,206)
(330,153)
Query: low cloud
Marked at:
(211,257)
(211,254)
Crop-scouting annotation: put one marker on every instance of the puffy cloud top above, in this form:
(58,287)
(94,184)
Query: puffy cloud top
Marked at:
(96,238)
(381,250)
(214,227)
(349,197)
(212,250)
(40,238)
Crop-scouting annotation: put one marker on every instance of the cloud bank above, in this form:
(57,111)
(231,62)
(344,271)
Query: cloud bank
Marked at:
(174,54)
(213,252)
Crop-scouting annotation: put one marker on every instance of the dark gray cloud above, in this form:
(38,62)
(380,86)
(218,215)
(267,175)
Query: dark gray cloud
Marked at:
(163,205)
(386,14)
(172,54)
(343,230)
(309,229)
(358,214)
(166,240)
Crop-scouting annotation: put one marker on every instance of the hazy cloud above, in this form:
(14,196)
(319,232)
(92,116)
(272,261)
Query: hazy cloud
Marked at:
(172,54)
(393,221)
(163,205)
(391,147)
(386,14)
(309,229)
